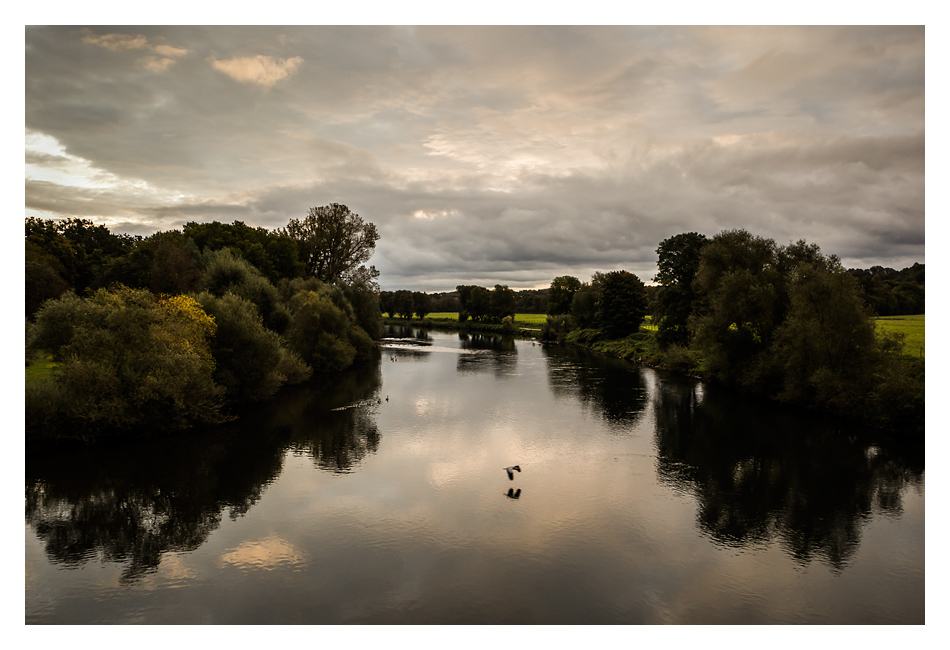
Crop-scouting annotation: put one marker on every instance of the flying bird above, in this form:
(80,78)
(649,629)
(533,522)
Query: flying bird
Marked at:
(513,494)
(511,471)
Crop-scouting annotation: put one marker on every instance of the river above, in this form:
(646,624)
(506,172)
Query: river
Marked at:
(381,496)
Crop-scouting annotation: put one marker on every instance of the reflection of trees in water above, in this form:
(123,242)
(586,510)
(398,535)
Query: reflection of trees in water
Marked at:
(407,332)
(762,473)
(335,424)
(414,342)
(613,388)
(131,504)
(500,354)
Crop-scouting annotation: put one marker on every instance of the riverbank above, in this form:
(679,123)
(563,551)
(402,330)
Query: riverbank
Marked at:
(520,326)
(896,403)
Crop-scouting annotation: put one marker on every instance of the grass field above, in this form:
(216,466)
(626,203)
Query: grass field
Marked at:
(912,327)
(521,320)
(526,321)
(41,369)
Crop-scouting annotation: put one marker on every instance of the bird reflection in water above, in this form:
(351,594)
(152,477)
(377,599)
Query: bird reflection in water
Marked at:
(513,493)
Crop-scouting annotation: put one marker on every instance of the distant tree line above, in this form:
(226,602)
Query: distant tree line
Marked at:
(889,292)
(176,328)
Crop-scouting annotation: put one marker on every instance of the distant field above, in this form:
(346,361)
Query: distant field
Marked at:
(911,326)
(520,319)
(528,321)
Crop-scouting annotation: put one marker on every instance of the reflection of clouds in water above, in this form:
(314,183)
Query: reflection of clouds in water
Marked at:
(173,572)
(422,406)
(268,554)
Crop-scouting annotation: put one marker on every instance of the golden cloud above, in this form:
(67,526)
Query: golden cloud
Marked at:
(260,70)
(117,42)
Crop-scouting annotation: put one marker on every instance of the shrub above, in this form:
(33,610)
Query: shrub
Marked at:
(556,328)
(246,354)
(320,332)
(130,361)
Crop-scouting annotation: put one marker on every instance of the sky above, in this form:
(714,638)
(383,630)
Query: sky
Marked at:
(489,155)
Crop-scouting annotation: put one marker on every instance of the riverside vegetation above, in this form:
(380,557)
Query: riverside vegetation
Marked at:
(132,335)
(783,322)
(141,335)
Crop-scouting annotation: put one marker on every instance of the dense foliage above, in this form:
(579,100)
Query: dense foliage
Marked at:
(677,264)
(129,361)
(889,292)
(172,330)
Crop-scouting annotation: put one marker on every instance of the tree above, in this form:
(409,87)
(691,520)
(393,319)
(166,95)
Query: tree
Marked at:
(272,253)
(421,303)
(622,303)
(474,302)
(826,347)
(480,303)
(334,243)
(584,305)
(561,294)
(64,254)
(502,303)
(739,308)
(677,266)
(402,303)
(227,273)
(246,354)
(387,302)
(366,310)
(321,332)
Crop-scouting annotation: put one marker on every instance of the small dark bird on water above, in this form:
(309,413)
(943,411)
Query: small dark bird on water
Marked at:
(511,471)
(513,494)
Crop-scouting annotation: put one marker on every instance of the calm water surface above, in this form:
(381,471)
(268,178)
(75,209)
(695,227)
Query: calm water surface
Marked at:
(380,497)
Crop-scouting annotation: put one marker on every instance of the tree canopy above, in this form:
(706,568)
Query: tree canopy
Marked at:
(334,244)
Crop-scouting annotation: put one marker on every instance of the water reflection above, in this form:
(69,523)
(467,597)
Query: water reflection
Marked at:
(499,354)
(104,505)
(132,504)
(615,389)
(761,473)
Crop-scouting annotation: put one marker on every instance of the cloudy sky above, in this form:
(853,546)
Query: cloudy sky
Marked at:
(489,154)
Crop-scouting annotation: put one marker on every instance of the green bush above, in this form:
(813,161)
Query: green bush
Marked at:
(320,332)
(129,361)
(556,328)
(246,354)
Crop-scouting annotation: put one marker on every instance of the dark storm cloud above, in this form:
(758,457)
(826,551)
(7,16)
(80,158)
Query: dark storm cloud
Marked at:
(509,154)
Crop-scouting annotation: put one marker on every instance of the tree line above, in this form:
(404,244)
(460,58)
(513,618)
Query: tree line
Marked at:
(181,327)
(786,322)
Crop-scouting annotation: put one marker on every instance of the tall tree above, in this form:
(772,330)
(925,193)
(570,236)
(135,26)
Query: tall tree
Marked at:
(584,305)
(421,303)
(335,243)
(561,294)
(502,302)
(677,265)
(622,304)
(402,303)
(739,283)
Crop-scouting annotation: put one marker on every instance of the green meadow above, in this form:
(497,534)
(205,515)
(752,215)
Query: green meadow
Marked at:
(912,327)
